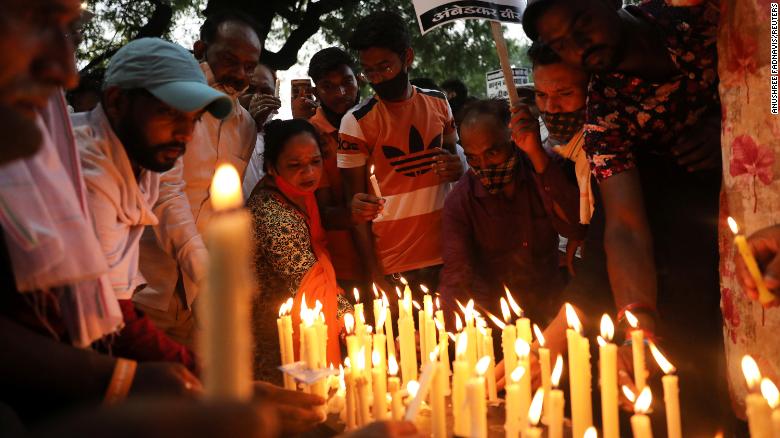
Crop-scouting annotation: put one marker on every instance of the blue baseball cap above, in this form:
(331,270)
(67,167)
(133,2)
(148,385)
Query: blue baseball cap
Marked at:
(169,72)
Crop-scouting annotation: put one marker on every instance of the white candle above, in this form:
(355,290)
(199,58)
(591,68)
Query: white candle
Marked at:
(475,394)
(638,350)
(579,360)
(756,407)
(640,422)
(226,341)
(394,387)
(438,402)
(390,335)
(379,380)
(277,85)
(471,334)
(512,412)
(351,396)
(426,382)
(491,374)
(460,375)
(284,325)
(508,337)
(375,183)
(772,396)
(378,311)
(406,338)
(523,351)
(765,296)
(608,379)
(557,401)
(534,414)
(544,365)
(362,388)
(671,394)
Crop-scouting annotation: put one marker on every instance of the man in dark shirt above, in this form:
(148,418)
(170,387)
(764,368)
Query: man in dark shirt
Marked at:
(501,221)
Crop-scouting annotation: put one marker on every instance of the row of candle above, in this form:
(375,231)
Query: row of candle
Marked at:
(762,404)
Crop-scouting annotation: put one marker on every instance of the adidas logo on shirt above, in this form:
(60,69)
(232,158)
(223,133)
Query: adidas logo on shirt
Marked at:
(420,157)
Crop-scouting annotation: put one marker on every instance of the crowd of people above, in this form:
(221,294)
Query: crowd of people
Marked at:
(601,189)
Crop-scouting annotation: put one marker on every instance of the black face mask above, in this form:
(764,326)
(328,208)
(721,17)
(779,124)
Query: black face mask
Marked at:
(393,89)
(563,126)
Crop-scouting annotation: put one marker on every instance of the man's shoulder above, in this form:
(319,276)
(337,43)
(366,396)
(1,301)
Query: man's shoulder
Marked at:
(435,94)
(461,192)
(364,108)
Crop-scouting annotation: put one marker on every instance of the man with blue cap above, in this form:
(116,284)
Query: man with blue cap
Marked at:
(154,93)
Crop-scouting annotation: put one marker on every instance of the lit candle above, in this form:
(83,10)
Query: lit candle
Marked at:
(312,355)
(756,407)
(471,333)
(375,183)
(591,433)
(406,338)
(764,295)
(523,323)
(388,326)
(226,301)
(353,342)
(360,317)
(523,351)
(284,326)
(640,422)
(544,365)
(557,401)
(512,413)
(460,375)
(362,388)
(277,85)
(608,379)
(379,343)
(508,337)
(351,395)
(534,414)
(671,394)
(394,386)
(770,393)
(378,310)
(438,402)
(579,360)
(379,381)
(638,350)
(487,340)
(426,382)
(444,356)
(475,394)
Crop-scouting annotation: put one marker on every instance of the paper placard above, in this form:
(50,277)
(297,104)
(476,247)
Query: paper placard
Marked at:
(434,13)
(496,86)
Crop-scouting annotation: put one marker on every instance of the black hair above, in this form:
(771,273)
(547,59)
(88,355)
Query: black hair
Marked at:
(498,108)
(532,13)
(542,54)
(210,27)
(457,86)
(426,83)
(384,29)
(278,132)
(328,60)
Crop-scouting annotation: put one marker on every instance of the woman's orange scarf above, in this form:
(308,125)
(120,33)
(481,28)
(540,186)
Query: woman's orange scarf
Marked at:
(320,282)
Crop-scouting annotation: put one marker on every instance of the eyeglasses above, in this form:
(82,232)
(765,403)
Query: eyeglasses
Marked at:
(375,75)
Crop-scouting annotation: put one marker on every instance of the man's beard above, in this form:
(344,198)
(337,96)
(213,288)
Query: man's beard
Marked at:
(145,155)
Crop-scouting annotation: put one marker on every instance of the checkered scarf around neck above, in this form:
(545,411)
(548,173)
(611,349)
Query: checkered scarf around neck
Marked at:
(497,177)
(563,126)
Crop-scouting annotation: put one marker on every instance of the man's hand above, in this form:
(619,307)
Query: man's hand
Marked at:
(448,166)
(298,411)
(571,252)
(385,429)
(699,148)
(525,130)
(262,106)
(765,245)
(160,378)
(304,108)
(366,208)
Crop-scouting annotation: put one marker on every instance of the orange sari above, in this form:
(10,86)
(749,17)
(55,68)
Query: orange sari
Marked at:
(320,282)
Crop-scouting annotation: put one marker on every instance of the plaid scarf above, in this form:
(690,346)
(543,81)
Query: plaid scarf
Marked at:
(496,178)
(563,126)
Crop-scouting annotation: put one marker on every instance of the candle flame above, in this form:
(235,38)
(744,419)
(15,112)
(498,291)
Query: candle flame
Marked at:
(661,360)
(496,321)
(481,330)
(513,304)
(286,307)
(372,169)
(438,304)
(392,366)
(416,304)
(572,319)
(369,328)
(733,225)
(403,281)
(434,354)
(439,325)
(461,345)
(555,376)
(505,310)
(482,366)
(385,301)
(468,313)
(451,336)
(643,402)
(632,319)
(225,189)
(375,358)
(347,363)
(601,341)
(535,410)
(317,307)
(356,293)
(424,288)
(522,348)
(751,371)
(458,323)
(517,374)
(539,335)
(629,393)
(376,292)
(349,323)
(591,433)
(770,393)
(341,376)
(607,328)
(360,360)
(382,316)
(462,307)
(412,387)
(398,292)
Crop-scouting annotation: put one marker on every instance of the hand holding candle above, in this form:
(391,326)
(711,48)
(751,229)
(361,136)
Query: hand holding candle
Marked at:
(765,297)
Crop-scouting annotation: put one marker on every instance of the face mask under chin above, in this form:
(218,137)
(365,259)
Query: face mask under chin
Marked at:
(393,89)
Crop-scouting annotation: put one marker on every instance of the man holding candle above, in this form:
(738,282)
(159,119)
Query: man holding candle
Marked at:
(652,140)
(228,50)
(409,135)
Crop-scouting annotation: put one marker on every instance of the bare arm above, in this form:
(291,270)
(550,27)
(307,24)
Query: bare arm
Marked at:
(628,243)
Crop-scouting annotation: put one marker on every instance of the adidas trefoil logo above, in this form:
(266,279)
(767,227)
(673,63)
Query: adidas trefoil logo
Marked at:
(420,157)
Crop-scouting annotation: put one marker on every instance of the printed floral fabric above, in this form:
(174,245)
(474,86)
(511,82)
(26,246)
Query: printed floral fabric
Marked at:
(626,112)
(751,194)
